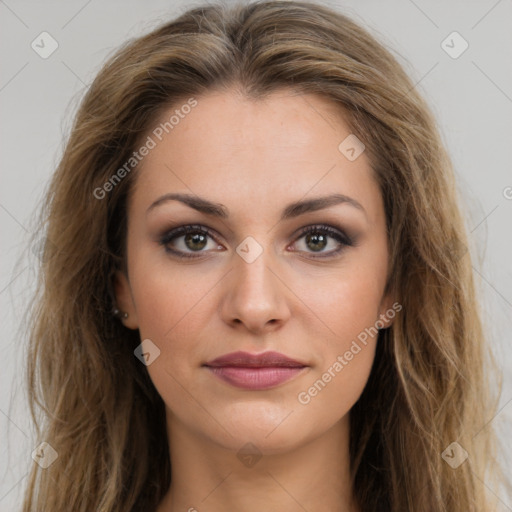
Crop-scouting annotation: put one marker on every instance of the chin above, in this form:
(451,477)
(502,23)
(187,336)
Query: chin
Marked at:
(272,430)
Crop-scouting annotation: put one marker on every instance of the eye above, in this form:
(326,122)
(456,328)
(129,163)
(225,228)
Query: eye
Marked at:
(194,238)
(317,238)
(184,241)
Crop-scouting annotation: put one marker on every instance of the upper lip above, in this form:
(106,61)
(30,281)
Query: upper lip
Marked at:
(246,359)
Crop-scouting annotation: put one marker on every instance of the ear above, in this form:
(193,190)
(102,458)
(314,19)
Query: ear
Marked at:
(387,311)
(124,300)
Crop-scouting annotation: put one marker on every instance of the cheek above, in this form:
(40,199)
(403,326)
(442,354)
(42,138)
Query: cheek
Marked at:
(346,301)
(168,298)
(345,355)
(350,305)
(174,310)
(348,310)
(337,387)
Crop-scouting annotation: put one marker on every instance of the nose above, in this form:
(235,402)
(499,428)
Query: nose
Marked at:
(255,296)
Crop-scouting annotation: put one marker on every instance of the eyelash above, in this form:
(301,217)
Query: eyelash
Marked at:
(322,229)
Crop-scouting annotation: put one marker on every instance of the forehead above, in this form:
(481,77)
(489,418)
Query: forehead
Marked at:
(242,151)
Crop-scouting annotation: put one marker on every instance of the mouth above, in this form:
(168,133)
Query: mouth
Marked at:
(255,371)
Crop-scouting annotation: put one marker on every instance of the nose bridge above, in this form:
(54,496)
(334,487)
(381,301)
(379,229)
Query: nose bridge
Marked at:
(253,279)
(255,295)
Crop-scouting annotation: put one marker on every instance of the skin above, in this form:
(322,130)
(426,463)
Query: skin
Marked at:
(256,157)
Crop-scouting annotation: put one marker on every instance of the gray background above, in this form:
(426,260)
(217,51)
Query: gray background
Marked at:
(471,97)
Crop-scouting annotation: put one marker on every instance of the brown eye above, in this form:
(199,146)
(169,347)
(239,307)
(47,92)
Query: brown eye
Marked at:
(318,238)
(184,241)
(196,241)
(316,241)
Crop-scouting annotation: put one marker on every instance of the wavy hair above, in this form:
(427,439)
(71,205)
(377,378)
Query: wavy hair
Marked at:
(95,404)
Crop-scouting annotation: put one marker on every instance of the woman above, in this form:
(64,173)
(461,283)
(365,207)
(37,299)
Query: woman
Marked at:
(255,293)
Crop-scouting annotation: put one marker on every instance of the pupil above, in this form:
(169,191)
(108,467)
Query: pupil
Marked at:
(195,239)
(316,239)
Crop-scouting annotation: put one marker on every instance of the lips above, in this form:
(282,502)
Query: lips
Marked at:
(248,360)
(255,371)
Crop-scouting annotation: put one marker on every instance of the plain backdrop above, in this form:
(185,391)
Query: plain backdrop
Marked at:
(470,94)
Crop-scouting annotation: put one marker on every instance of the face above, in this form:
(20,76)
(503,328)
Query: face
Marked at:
(251,260)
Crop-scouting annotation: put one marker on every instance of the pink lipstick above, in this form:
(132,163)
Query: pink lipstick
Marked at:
(255,371)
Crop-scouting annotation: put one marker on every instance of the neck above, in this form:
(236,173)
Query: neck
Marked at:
(207,476)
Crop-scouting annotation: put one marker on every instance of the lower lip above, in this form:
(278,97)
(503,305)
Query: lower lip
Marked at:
(255,378)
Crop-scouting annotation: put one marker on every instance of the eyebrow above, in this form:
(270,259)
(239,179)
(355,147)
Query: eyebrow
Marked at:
(291,211)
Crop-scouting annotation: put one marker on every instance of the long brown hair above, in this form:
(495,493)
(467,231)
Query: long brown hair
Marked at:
(93,401)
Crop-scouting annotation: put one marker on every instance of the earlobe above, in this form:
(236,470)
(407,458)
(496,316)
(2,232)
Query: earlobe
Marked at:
(124,300)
